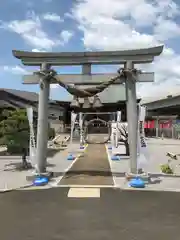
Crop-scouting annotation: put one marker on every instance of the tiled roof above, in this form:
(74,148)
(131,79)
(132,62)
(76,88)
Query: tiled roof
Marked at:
(29,96)
(20,98)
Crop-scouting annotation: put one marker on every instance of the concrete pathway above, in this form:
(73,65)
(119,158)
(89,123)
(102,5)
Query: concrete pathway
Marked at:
(92,168)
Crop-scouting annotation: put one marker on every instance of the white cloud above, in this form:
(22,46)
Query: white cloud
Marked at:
(37,50)
(144,14)
(167,8)
(31,30)
(167,74)
(119,24)
(18,70)
(166,29)
(66,36)
(52,17)
(54,86)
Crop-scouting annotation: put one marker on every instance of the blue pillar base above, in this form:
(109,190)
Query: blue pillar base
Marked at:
(115,158)
(70,157)
(40,181)
(137,183)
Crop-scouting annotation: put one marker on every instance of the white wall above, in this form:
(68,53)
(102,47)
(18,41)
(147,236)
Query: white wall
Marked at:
(54,121)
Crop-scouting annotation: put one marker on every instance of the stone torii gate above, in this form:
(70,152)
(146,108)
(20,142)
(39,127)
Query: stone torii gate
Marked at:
(126,57)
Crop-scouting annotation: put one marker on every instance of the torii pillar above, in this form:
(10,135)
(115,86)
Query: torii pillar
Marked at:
(42,129)
(132,118)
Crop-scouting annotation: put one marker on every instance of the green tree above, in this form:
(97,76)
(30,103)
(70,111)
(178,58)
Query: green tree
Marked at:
(14,130)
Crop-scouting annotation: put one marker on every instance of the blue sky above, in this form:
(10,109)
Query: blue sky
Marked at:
(57,25)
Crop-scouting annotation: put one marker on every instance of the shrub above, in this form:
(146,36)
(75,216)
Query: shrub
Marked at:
(14,129)
(165,168)
(14,148)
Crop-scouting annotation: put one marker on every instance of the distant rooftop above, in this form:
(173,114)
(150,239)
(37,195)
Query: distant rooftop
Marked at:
(169,93)
(29,96)
(20,98)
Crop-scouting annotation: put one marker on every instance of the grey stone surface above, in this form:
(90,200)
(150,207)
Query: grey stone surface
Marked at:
(76,58)
(59,163)
(157,150)
(11,178)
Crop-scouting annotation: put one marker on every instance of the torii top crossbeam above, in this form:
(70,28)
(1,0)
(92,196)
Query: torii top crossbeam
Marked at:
(145,55)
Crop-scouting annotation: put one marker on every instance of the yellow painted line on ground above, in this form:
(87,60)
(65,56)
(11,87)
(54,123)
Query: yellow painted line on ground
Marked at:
(84,193)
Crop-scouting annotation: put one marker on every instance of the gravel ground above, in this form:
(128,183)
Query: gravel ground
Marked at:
(92,168)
